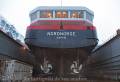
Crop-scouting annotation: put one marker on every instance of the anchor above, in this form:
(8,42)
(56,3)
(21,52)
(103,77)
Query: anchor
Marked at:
(76,67)
(46,67)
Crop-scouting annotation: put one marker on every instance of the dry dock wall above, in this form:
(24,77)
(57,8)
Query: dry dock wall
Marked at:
(16,62)
(12,49)
(104,62)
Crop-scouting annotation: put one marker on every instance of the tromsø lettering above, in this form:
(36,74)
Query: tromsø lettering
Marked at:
(60,33)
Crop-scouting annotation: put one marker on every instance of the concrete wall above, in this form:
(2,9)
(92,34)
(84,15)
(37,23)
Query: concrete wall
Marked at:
(12,49)
(105,61)
(12,70)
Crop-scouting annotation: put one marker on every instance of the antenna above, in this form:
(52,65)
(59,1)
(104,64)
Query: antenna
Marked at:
(61,24)
(61,3)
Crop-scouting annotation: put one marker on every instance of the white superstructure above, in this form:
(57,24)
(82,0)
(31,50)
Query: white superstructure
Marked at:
(61,13)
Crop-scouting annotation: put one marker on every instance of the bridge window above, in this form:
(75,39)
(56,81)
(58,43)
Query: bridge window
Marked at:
(76,14)
(61,14)
(33,16)
(46,14)
(89,16)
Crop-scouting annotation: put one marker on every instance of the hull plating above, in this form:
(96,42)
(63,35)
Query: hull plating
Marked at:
(61,38)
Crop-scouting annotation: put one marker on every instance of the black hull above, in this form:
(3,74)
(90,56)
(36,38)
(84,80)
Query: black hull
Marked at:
(61,60)
(61,38)
(60,48)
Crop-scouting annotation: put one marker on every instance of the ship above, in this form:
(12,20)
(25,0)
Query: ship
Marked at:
(61,38)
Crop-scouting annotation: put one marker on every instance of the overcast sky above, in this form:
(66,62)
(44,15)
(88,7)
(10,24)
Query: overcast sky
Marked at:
(106,13)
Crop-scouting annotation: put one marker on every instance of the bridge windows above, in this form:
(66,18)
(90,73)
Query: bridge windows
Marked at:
(61,14)
(46,14)
(34,16)
(89,16)
(76,14)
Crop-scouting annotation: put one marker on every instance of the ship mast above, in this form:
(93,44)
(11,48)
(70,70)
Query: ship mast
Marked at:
(61,3)
(61,24)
